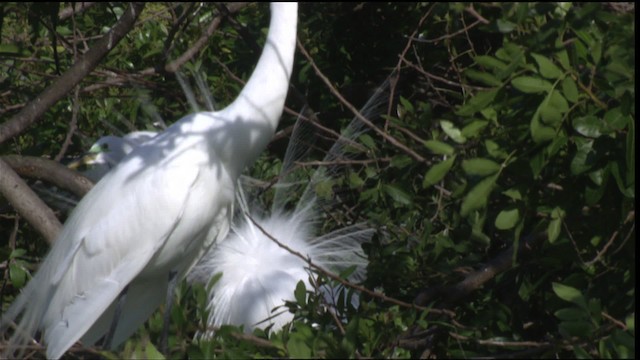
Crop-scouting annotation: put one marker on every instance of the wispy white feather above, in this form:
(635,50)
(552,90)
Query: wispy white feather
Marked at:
(259,276)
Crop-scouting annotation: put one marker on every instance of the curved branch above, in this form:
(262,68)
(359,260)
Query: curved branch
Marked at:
(501,263)
(50,171)
(81,68)
(28,204)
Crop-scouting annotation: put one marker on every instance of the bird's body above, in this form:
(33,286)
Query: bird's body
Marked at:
(155,213)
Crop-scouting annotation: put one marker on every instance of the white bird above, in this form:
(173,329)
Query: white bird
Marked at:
(175,197)
(108,151)
(257,275)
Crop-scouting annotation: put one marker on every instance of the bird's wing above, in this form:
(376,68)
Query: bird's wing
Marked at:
(116,249)
(106,242)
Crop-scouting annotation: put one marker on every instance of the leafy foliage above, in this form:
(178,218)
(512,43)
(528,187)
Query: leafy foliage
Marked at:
(520,121)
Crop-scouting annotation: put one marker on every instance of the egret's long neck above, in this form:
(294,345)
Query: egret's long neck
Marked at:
(259,106)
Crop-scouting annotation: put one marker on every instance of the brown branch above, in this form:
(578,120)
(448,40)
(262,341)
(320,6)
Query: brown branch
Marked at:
(73,126)
(75,8)
(65,83)
(176,64)
(50,171)
(476,279)
(28,204)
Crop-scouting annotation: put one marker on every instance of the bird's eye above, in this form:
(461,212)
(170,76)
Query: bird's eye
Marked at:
(104,147)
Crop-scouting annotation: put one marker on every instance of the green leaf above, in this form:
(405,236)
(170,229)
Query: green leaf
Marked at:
(553,108)
(300,293)
(407,105)
(572,314)
(570,294)
(589,126)
(11,49)
(297,347)
(563,58)
(494,150)
(473,129)
(490,62)
(555,225)
(478,196)
(17,275)
(547,68)
(452,131)
(569,89)
(615,120)
(401,161)
(367,141)
(16,253)
(507,219)
(437,172)
(513,193)
(439,147)
(355,181)
(531,85)
(505,26)
(540,132)
(151,352)
(583,159)
(571,329)
(553,230)
(477,103)
(480,167)
(482,77)
(397,194)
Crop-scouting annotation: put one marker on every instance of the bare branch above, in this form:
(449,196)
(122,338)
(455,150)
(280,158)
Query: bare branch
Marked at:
(476,279)
(28,204)
(65,83)
(49,171)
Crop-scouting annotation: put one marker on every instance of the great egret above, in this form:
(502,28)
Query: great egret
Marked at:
(176,194)
(257,275)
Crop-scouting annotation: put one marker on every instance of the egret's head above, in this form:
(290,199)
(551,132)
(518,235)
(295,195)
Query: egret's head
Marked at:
(107,152)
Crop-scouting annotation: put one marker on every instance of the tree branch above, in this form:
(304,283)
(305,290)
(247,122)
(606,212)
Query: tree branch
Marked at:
(50,171)
(501,263)
(28,204)
(65,83)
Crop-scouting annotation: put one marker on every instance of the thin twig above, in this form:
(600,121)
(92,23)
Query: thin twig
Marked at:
(345,282)
(355,111)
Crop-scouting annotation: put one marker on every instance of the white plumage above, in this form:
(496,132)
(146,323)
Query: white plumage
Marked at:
(155,213)
(258,276)
(108,151)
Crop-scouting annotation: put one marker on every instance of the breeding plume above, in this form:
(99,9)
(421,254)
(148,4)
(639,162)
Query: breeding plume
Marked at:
(175,197)
(257,275)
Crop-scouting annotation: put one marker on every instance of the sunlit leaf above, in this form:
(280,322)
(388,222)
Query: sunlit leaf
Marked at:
(570,294)
(531,85)
(398,194)
(507,219)
(589,126)
(569,89)
(480,166)
(439,147)
(547,68)
(437,172)
(454,133)
(478,195)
